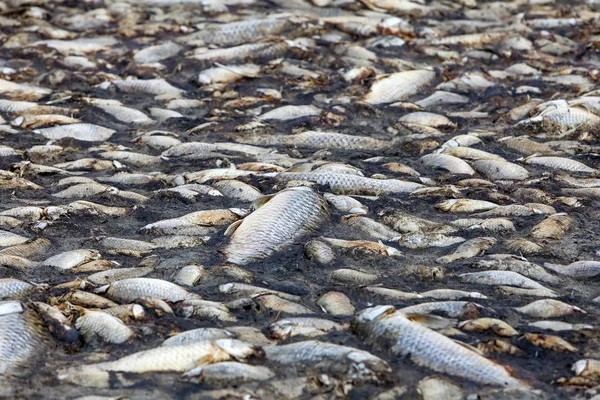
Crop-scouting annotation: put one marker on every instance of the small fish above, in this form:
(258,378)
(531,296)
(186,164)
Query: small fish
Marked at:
(549,309)
(23,338)
(506,278)
(469,249)
(399,86)
(550,342)
(334,358)
(577,269)
(84,131)
(465,205)
(197,335)
(94,325)
(497,326)
(230,372)
(286,113)
(437,387)
(309,327)
(336,303)
(71,259)
(128,290)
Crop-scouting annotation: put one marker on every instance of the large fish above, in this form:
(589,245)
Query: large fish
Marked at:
(392,331)
(352,184)
(278,221)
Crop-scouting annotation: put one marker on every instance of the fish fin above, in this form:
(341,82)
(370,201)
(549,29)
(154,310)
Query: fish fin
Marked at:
(261,201)
(233,227)
(431,321)
(468,346)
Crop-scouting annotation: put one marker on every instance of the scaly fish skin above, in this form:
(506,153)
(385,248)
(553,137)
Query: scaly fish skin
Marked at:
(387,329)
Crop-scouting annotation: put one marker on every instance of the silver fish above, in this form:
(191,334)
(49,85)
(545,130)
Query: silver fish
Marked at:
(282,218)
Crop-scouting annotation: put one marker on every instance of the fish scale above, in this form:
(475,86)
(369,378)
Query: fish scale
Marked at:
(352,184)
(385,328)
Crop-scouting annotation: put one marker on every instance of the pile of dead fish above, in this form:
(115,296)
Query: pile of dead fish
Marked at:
(293,199)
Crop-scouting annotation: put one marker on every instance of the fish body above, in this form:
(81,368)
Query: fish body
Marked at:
(284,217)
(385,328)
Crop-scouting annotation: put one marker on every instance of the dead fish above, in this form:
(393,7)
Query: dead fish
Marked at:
(309,327)
(365,246)
(390,295)
(587,367)
(197,335)
(549,309)
(84,132)
(189,275)
(525,145)
(279,219)
(94,325)
(157,87)
(228,73)
(157,52)
(245,290)
(559,326)
(500,170)
(441,98)
(14,289)
(451,294)
(352,184)
(426,240)
(332,357)
(455,309)
(549,342)
(465,205)
(577,269)
(470,248)
(494,225)
(194,222)
(384,327)
(230,372)
(286,113)
(353,277)
(399,86)
(237,190)
(59,326)
(506,278)
(15,89)
(336,303)
(8,239)
(279,305)
(440,388)
(179,358)
(447,162)
(129,290)
(204,310)
(553,227)
(560,163)
(319,252)
(497,326)
(321,140)
(71,259)
(370,228)
(346,203)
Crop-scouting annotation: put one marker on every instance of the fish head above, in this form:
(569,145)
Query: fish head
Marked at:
(371,314)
